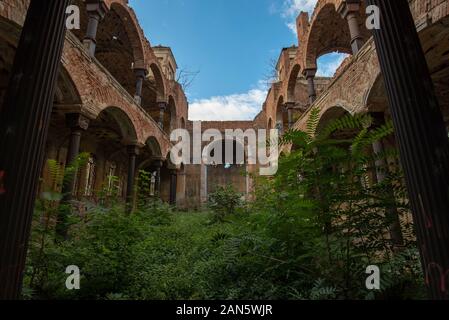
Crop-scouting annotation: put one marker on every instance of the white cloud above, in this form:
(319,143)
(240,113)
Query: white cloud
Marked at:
(328,64)
(243,106)
(292,8)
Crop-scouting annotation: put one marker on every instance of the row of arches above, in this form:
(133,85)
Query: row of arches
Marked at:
(111,34)
(110,134)
(337,27)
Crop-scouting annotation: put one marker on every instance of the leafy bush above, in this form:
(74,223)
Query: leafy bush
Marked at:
(310,234)
(224,202)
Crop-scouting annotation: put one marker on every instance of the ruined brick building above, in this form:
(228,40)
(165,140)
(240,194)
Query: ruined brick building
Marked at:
(118,98)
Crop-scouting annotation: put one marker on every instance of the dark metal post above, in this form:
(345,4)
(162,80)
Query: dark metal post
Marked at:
(24,122)
(421,136)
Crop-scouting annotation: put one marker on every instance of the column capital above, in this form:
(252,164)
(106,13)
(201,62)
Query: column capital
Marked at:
(349,6)
(76,121)
(309,73)
(289,106)
(157,162)
(96,7)
(162,105)
(140,73)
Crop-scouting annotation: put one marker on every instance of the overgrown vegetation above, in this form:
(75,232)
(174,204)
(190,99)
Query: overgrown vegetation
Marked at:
(311,233)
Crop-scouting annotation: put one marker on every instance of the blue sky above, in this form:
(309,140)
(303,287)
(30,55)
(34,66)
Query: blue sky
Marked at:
(230,43)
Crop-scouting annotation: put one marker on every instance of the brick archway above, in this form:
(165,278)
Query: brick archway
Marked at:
(328,32)
(295,71)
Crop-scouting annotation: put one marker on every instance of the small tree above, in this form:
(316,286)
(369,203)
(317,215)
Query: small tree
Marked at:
(224,202)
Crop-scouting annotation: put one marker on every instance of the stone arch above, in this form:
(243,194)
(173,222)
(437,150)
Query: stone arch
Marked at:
(127,20)
(292,80)
(135,37)
(154,91)
(281,115)
(126,127)
(171,116)
(270,124)
(158,78)
(328,32)
(66,90)
(119,43)
(183,123)
(375,97)
(154,146)
(332,113)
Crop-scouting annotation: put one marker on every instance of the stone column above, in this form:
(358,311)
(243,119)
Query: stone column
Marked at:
(381,174)
(96,10)
(24,122)
(158,164)
(310,76)
(140,77)
(349,10)
(77,124)
(421,137)
(203,184)
(133,151)
(173,186)
(162,109)
(290,107)
(181,188)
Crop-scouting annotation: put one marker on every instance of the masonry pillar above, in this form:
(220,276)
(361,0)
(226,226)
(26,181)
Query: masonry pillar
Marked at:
(133,151)
(140,77)
(173,186)
(77,124)
(381,174)
(96,10)
(203,184)
(162,109)
(421,136)
(181,187)
(310,76)
(349,10)
(158,164)
(289,107)
(24,122)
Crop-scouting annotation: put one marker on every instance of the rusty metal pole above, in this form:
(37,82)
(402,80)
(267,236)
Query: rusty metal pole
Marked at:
(24,121)
(421,135)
